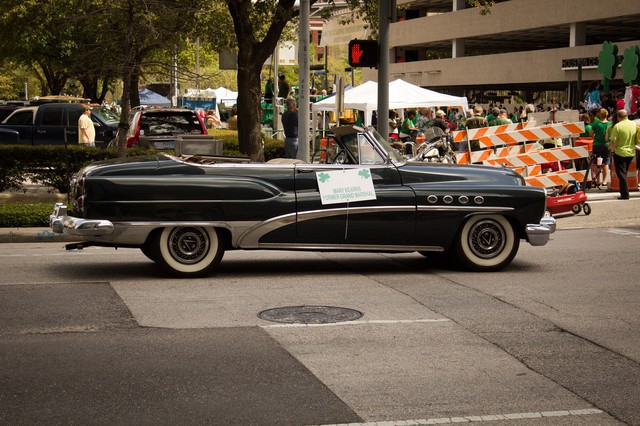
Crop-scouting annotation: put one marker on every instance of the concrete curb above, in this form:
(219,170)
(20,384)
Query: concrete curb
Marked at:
(33,235)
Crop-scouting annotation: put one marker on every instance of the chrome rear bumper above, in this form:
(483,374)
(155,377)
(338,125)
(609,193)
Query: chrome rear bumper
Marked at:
(60,223)
(538,233)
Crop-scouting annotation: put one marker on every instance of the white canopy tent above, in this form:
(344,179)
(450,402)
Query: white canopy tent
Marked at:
(401,95)
(221,94)
(226,96)
(205,99)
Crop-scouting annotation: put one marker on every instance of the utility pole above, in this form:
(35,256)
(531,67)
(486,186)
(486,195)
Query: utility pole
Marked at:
(383,69)
(303,82)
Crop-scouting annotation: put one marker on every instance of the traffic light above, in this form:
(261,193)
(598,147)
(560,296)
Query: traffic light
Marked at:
(363,53)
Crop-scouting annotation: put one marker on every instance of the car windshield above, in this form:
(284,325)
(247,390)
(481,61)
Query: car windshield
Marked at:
(393,154)
(108,116)
(169,123)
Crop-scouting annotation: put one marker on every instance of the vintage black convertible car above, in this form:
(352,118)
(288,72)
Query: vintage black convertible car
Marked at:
(183,212)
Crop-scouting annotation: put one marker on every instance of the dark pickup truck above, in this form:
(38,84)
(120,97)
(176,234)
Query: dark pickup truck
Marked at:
(46,125)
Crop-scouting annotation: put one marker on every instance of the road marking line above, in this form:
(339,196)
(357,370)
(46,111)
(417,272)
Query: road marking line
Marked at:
(625,232)
(337,324)
(490,418)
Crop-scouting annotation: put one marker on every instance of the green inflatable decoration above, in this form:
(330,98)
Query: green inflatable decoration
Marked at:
(608,63)
(631,65)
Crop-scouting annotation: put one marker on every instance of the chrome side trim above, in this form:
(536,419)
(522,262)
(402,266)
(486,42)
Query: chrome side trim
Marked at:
(315,214)
(251,238)
(130,233)
(464,208)
(349,247)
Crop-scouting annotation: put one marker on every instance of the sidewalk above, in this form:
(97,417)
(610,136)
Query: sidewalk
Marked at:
(45,235)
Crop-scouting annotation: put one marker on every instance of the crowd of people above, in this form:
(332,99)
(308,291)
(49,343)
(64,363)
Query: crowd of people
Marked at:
(608,120)
(416,121)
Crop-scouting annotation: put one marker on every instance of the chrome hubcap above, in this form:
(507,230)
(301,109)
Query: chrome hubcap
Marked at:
(487,239)
(188,245)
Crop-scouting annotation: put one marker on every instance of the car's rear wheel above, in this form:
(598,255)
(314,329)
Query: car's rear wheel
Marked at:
(147,250)
(486,243)
(187,251)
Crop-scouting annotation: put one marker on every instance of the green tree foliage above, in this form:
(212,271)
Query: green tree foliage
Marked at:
(100,41)
(631,64)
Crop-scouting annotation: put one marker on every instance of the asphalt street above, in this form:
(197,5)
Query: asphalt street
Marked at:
(100,336)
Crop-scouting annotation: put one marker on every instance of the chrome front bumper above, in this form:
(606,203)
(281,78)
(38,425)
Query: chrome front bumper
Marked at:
(60,223)
(538,234)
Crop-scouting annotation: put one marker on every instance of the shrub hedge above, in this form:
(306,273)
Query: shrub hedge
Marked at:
(52,165)
(16,215)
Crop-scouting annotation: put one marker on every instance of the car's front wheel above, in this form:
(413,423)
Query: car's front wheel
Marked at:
(486,243)
(187,251)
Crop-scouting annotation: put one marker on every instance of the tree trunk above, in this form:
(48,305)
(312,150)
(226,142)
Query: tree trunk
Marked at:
(134,94)
(123,124)
(106,83)
(252,54)
(55,81)
(89,87)
(249,94)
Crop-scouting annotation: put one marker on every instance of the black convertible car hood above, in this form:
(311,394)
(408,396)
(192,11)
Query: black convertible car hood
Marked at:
(468,175)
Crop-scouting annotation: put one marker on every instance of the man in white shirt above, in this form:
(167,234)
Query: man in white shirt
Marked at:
(86,131)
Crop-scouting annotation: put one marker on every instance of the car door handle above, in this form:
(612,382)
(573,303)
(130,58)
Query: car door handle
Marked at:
(302,170)
(41,132)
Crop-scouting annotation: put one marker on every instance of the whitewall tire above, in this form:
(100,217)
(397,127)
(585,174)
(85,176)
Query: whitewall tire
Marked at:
(187,251)
(487,243)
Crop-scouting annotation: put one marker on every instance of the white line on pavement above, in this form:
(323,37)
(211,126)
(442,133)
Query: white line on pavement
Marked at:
(338,324)
(625,232)
(490,418)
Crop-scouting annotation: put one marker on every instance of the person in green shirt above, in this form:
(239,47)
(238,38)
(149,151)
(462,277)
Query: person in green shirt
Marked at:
(586,119)
(600,145)
(622,143)
(408,129)
(501,119)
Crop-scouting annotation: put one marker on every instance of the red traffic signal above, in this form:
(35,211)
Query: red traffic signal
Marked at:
(363,53)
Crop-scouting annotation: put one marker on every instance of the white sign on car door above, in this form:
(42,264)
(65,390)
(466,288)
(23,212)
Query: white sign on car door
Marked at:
(345,186)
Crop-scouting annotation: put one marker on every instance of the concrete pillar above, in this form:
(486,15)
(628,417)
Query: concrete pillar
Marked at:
(457,48)
(577,34)
(459,5)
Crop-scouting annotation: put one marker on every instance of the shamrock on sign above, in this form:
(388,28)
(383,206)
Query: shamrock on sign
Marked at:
(323,177)
(364,174)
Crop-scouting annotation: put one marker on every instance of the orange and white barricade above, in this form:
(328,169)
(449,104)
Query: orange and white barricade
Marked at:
(462,135)
(548,180)
(557,130)
(506,146)
(541,157)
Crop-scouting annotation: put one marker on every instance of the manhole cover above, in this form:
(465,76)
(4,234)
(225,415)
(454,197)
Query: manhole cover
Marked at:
(310,314)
